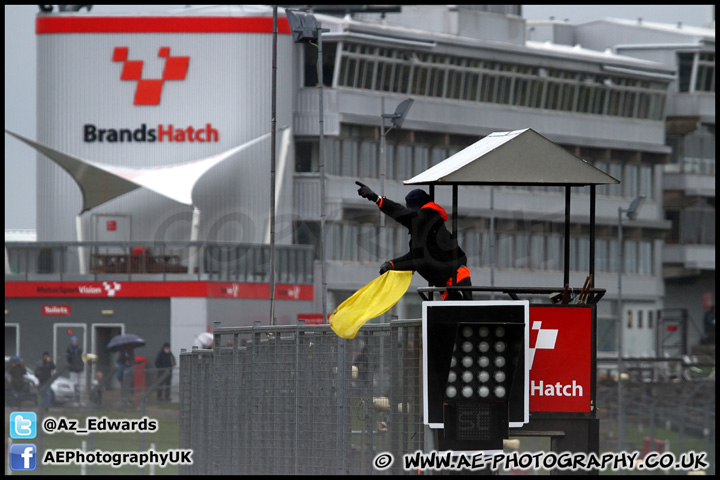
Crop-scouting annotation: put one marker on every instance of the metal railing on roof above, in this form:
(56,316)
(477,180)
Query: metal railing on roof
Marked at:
(154,261)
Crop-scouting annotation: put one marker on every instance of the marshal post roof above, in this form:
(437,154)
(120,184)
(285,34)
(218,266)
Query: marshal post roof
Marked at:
(520,157)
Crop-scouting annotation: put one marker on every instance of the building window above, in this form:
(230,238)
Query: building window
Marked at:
(630,181)
(306,156)
(645,260)
(615,171)
(422,160)
(368,159)
(522,250)
(584,254)
(645,181)
(349,158)
(403,162)
(705,76)
(630,257)
(470,79)
(602,262)
(537,252)
(698,223)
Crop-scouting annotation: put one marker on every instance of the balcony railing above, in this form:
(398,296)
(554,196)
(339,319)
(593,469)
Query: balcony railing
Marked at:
(25,261)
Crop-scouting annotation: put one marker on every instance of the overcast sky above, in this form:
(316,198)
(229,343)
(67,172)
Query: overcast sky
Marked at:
(20,202)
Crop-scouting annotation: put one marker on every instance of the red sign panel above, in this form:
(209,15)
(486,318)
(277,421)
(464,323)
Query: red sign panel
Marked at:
(115,289)
(56,310)
(560,359)
(111,225)
(311,318)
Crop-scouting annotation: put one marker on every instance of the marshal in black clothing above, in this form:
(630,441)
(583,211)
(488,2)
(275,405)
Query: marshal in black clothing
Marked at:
(434,253)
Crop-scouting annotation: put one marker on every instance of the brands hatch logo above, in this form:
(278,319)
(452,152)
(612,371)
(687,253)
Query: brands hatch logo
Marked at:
(544,340)
(149,90)
(111,289)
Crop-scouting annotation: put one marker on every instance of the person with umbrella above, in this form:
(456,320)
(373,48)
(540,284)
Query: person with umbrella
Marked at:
(76,366)
(125,344)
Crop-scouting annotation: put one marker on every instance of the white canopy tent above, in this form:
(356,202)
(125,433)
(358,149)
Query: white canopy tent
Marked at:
(100,183)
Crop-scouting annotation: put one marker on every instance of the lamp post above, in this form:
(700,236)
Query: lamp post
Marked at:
(397,118)
(305,29)
(632,213)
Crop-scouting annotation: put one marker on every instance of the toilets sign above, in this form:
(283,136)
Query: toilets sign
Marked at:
(561,353)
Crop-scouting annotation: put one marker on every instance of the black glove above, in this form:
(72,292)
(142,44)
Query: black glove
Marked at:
(386,266)
(365,192)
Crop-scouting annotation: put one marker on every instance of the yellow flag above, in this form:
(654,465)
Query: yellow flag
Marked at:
(374,299)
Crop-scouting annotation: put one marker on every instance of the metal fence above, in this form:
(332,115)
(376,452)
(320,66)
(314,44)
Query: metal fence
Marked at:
(300,400)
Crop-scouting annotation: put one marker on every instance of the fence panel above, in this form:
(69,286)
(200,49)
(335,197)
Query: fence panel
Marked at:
(300,400)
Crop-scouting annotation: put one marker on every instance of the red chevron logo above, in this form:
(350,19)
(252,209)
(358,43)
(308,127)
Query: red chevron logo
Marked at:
(149,91)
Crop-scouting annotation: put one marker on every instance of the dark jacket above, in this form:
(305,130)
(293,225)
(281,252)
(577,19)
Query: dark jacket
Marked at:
(434,253)
(17,375)
(74,359)
(164,360)
(43,371)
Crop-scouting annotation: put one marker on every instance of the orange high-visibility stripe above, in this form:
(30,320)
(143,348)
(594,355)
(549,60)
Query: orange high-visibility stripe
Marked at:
(462,274)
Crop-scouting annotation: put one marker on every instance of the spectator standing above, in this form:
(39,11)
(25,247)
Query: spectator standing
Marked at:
(164,362)
(709,325)
(76,366)
(43,372)
(17,380)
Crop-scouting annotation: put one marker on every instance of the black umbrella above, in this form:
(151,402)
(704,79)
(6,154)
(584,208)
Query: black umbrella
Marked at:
(125,339)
